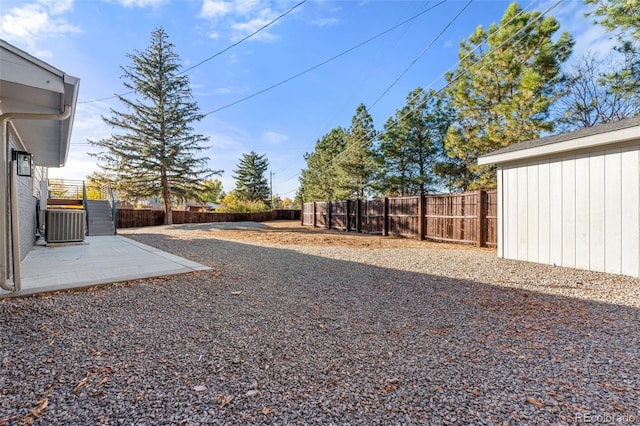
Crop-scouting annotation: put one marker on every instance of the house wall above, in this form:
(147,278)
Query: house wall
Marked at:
(27,200)
(580,210)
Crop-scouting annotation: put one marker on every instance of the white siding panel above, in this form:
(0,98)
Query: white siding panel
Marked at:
(581,213)
(522,213)
(543,213)
(631,211)
(500,216)
(556,224)
(569,212)
(612,212)
(532,212)
(596,211)
(510,211)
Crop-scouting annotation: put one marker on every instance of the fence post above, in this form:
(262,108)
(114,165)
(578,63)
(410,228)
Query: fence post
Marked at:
(328,214)
(385,218)
(347,218)
(482,235)
(358,213)
(421,217)
(314,214)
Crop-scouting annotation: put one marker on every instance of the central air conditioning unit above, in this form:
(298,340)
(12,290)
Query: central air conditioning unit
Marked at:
(64,225)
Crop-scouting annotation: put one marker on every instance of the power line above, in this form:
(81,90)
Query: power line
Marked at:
(337,159)
(364,73)
(213,56)
(273,86)
(245,38)
(446,27)
(421,54)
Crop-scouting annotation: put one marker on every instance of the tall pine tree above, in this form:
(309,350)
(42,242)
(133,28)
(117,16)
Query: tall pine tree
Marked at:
(156,152)
(413,143)
(359,161)
(508,78)
(251,183)
(320,181)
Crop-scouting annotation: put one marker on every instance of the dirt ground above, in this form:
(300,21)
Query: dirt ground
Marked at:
(293,233)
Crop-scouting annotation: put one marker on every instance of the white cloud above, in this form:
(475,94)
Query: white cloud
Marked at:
(215,9)
(325,22)
(247,7)
(243,29)
(87,124)
(229,90)
(274,138)
(588,36)
(58,7)
(30,23)
(141,3)
(242,17)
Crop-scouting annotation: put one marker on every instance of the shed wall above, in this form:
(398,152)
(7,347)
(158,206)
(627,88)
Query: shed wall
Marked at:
(579,211)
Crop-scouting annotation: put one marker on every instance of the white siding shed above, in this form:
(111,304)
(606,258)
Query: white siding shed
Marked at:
(572,199)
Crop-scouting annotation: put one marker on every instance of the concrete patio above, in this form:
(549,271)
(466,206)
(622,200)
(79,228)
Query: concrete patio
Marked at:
(98,260)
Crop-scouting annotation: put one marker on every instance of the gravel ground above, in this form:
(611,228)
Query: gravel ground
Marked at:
(287,330)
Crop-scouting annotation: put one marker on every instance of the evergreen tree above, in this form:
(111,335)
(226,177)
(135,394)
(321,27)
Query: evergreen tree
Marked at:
(508,78)
(321,180)
(156,153)
(251,183)
(359,160)
(412,145)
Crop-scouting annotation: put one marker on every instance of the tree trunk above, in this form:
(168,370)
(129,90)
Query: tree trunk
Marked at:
(166,198)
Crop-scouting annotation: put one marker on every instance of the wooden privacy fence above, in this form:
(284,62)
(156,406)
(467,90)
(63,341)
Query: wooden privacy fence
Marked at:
(468,217)
(133,218)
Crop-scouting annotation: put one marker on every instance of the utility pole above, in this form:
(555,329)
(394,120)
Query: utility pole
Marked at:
(271,185)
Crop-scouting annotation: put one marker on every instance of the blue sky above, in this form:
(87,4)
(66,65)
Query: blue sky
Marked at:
(91,38)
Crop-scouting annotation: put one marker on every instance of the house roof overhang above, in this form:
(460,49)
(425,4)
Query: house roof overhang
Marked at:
(604,135)
(31,86)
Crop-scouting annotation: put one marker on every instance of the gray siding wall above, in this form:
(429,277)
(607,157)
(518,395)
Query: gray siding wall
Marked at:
(27,214)
(26,208)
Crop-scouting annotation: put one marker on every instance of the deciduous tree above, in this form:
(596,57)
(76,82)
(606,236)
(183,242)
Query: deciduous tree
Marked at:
(591,97)
(211,191)
(232,203)
(622,17)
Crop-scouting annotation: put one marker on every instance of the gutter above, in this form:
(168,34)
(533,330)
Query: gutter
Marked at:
(15,225)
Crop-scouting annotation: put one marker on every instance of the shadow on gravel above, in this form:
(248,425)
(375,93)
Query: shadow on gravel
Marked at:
(274,336)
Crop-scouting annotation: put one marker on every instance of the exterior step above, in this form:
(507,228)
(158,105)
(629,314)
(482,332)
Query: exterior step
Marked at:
(100,221)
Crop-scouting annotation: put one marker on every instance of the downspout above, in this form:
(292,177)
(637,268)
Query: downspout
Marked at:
(15,239)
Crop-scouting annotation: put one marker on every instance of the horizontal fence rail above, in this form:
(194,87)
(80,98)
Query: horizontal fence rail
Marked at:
(468,217)
(134,218)
(66,189)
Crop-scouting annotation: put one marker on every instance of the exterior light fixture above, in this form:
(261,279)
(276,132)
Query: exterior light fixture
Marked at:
(24,163)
